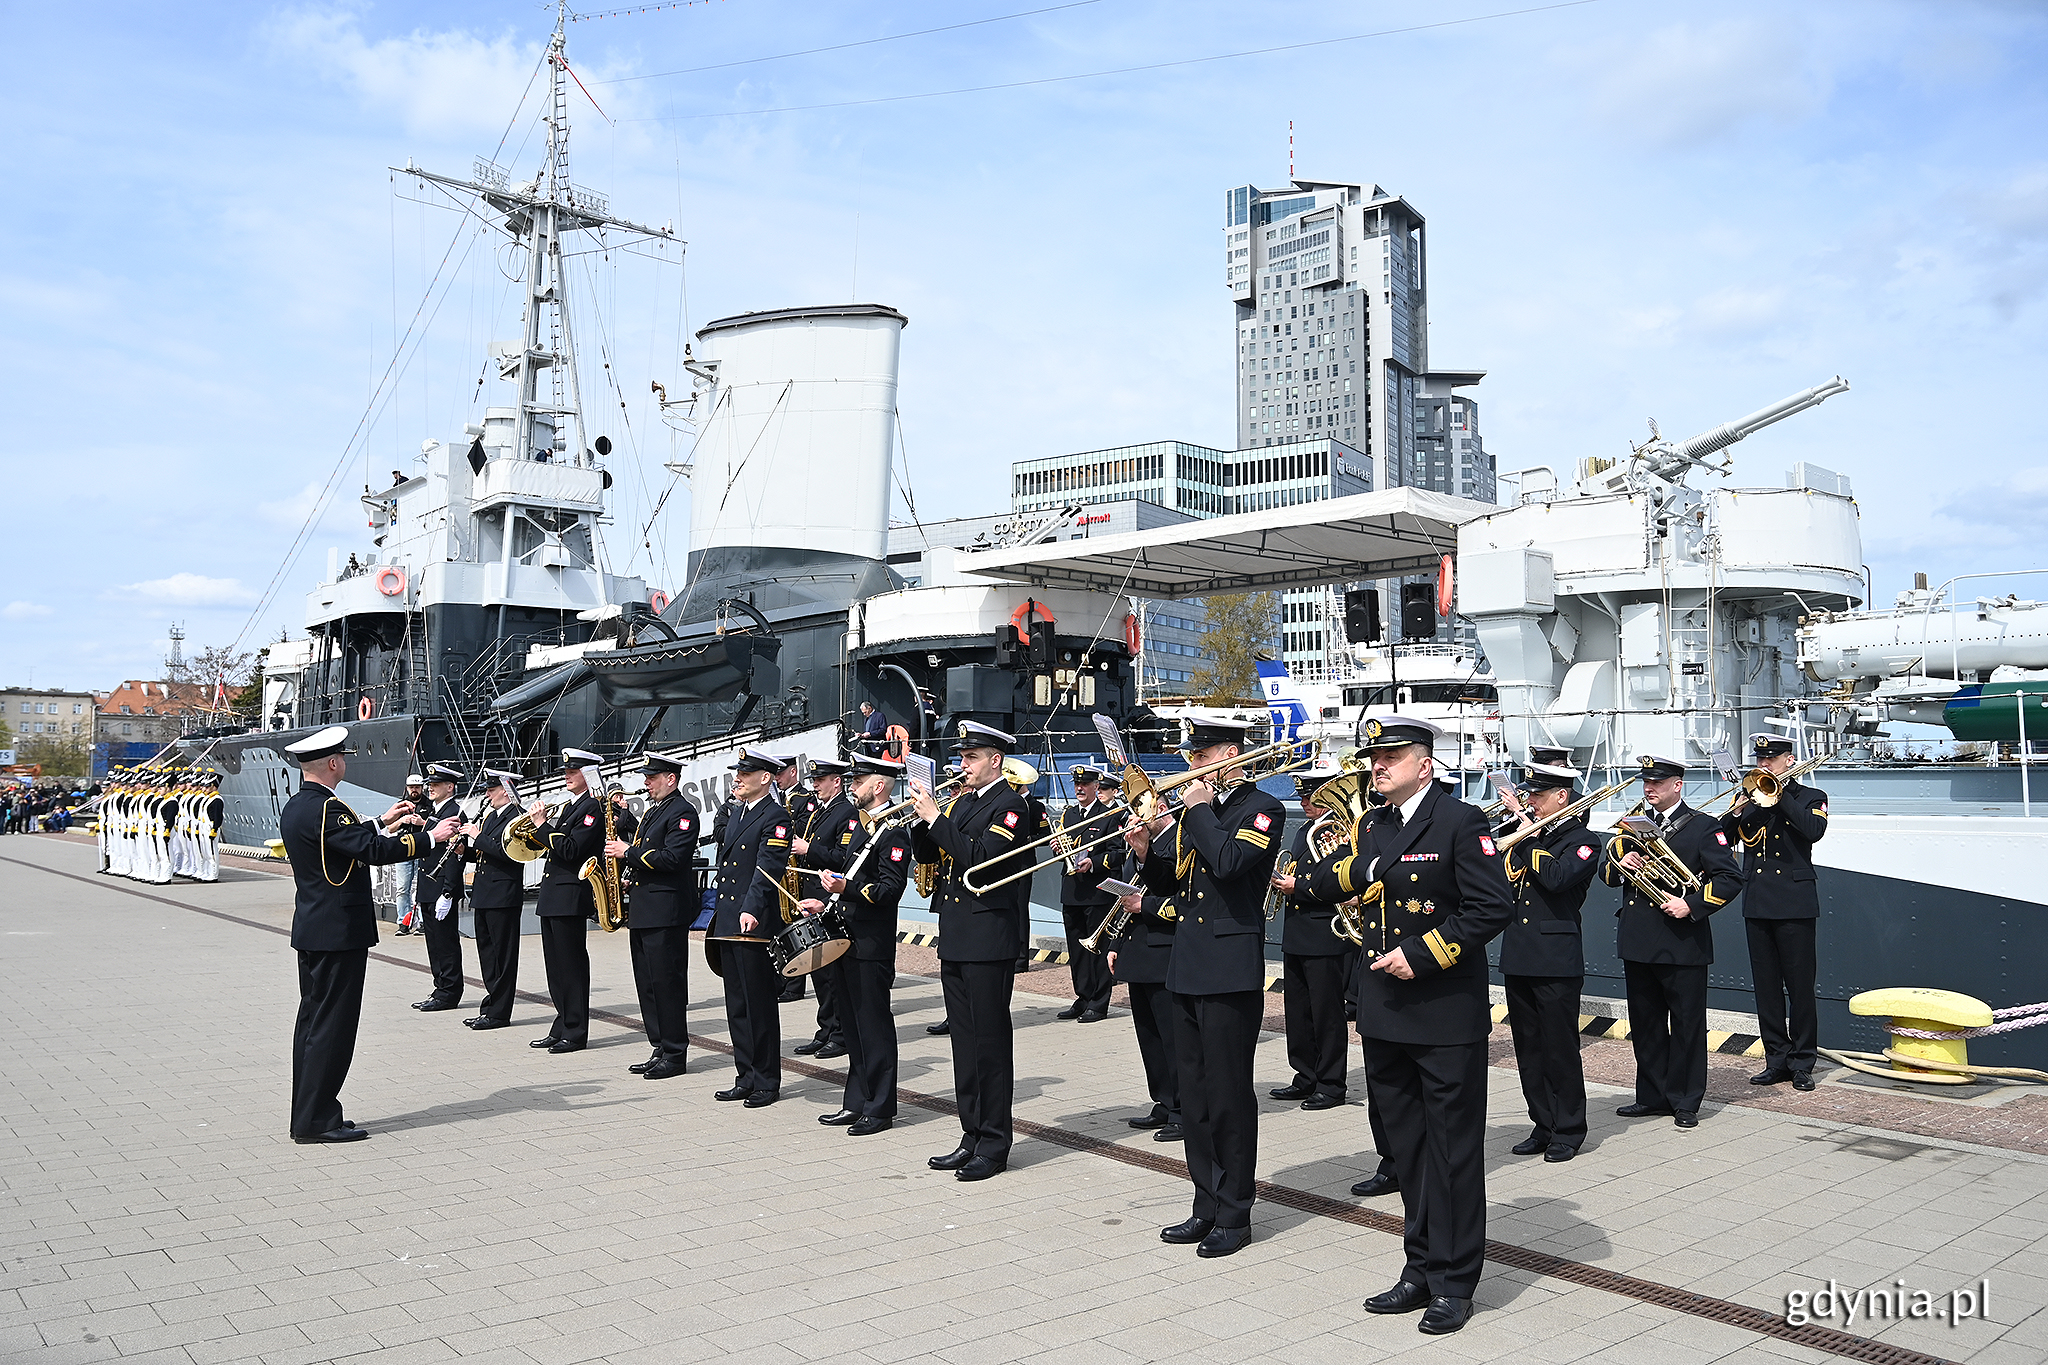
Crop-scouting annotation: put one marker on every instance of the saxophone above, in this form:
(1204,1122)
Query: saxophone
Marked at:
(603,875)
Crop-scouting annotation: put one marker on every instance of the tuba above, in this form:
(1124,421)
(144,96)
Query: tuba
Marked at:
(1344,804)
(603,875)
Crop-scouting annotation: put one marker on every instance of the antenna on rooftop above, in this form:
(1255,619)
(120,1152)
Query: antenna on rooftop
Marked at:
(1290,149)
(174,666)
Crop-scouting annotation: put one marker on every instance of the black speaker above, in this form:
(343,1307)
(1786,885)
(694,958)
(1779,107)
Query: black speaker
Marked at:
(1362,616)
(1418,611)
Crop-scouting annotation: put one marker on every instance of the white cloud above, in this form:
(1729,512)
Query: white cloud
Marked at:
(189,590)
(23,611)
(1688,84)
(438,82)
(291,511)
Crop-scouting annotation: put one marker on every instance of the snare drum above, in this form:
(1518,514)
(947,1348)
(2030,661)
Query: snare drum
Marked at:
(808,944)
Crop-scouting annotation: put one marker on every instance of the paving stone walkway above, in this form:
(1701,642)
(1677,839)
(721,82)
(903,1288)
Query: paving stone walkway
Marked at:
(519,1207)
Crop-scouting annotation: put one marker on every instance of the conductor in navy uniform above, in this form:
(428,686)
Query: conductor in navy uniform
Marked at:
(1213,874)
(496,900)
(657,862)
(1543,962)
(334,925)
(440,878)
(572,838)
(1423,1008)
(978,938)
(1666,944)
(1780,908)
(752,856)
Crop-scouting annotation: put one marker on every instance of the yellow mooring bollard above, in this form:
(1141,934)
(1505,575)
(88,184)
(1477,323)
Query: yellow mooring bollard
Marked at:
(1922,1007)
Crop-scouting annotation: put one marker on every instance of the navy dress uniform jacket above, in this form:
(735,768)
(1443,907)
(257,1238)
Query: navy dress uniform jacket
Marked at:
(500,881)
(1219,907)
(427,888)
(1082,825)
(1777,848)
(573,837)
(1646,933)
(869,902)
(1551,874)
(1445,897)
(973,828)
(1307,924)
(660,861)
(756,841)
(332,850)
(828,830)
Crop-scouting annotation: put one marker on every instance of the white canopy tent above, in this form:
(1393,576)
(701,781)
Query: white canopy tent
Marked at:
(1372,535)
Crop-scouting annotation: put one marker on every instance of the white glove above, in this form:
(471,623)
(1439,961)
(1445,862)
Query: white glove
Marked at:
(443,906)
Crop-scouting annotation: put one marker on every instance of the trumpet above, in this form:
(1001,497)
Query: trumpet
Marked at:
(1563,813)
(900,811)
(1662,874)
(1142,802)
(1764,789)
(522,836)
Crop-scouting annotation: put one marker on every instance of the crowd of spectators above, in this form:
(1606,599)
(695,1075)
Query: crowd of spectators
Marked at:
(26,808)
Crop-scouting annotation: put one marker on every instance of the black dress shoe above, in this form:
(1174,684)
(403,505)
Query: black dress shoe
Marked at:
(761,1099)
(1188,1233)
(981,1168)
(1292,1092)
(662,1070)
(1315,1102)
(1802,1080)
(429,1005)
(546,1042)
(1070,1012)
(1771,1075)
(334,1135)
(839,1120)
(806,1049)
(1404,1297)
(869,1126)
(1643,1111)
(1559,1151)
(486,1022)
(1530,1146)
(1445,1315)
(566,1046)
(738,1092)
(951,1161)
(829,1051)
(1155,1119)
(791,994)
(1375,1185)
(1091,1017)
(1223,1241)
(942,1028)
(1172,1132)
(640,1068)
(1685,1118)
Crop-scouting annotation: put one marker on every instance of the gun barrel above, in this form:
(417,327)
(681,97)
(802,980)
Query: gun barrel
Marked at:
(1728,433)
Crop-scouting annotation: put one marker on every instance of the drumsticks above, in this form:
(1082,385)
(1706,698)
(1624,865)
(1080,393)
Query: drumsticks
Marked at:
(780,890)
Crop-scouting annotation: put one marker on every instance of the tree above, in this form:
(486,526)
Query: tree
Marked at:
(235,671)
(1239,625)
(59,757)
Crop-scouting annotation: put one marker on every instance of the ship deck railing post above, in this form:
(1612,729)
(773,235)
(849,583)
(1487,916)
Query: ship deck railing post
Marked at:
(2026,792)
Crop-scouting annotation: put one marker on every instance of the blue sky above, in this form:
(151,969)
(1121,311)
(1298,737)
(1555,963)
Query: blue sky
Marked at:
(1679,210)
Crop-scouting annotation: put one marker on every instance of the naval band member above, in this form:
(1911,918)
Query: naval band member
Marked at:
(1138,959)
(978,937)
(566,907)
(1666,945)
(816,845)
(864,974)
(334,926)
(1780,910)
(1215,870)
(753,853)
(1423,1008)
(1312,967)
(496,901)
(437,896)
(1543,961)
(1083,902)
(658,859)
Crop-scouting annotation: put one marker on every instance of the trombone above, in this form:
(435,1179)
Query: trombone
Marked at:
(1020,775)
(1563,813)
(1142,802)
(1764,789)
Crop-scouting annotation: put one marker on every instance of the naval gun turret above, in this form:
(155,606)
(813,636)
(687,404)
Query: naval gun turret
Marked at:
(1670,461)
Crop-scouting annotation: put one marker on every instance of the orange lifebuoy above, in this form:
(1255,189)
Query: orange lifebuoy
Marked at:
(1131,633)
(898,740)
(1029,609)
(1445,586)
(658,600)
(390,582)
(365,709)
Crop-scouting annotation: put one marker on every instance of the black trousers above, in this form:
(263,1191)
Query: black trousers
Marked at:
(567,954)
(862,989)
(497,960)
(1152,1017)
(1213,1040)
(661,972)
(1314,1001)
(1377,1122)
(1092,983)
(444,949)
(324,1038)
(832,1025)
(1783,964)
(753,1016)
(984,1052)
(1543,1016)
(1350,959)
(1433,1100)
(1667,1025)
